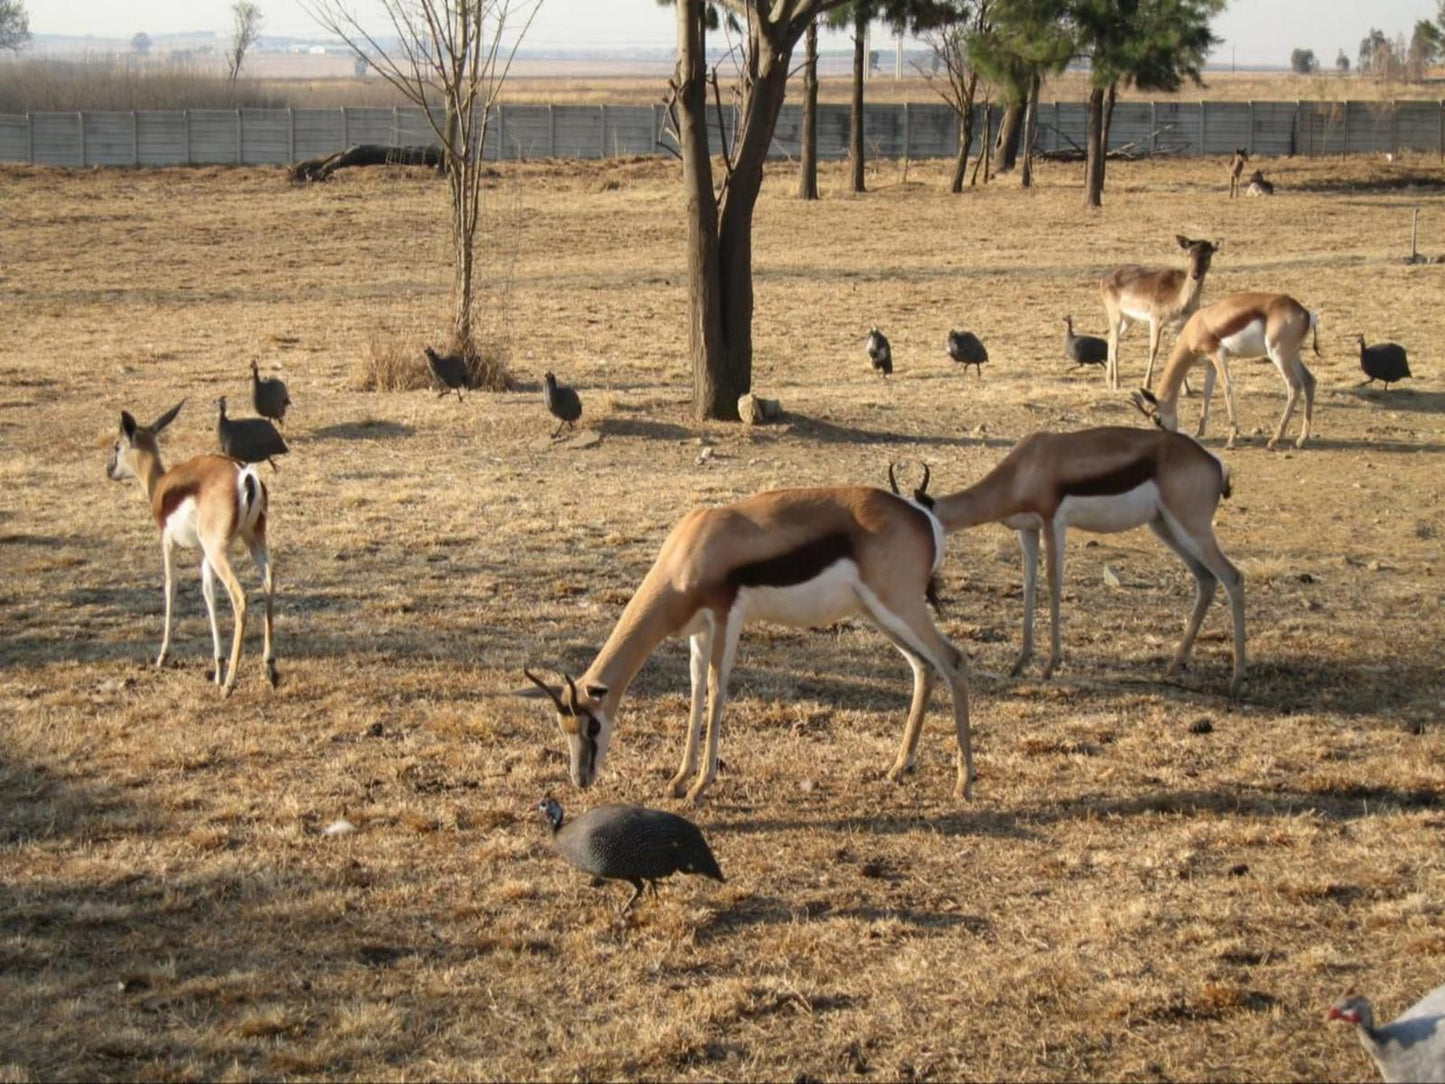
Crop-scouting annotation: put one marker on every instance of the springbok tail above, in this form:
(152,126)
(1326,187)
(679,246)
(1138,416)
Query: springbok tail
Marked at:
(1315,331)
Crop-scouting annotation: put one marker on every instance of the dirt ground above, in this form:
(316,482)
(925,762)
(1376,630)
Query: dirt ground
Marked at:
(1151,882)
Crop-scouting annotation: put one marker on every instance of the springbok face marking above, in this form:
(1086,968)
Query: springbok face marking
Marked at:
(584,724)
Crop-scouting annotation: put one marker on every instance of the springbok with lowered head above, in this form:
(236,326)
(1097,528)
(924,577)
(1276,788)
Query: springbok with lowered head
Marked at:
(1238,163)
(1157,296)
(800,557)
(1248,325)
(1107,480)
(208,501)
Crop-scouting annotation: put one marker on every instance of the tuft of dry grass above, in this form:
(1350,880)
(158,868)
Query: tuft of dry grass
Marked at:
(390,362)
(1130,895)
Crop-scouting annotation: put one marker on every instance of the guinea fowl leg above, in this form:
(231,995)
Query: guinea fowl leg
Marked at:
(636,883)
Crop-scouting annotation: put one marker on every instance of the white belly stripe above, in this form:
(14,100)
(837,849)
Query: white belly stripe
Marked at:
(181,524)
(1113,513)
(1247,342)
(826,598)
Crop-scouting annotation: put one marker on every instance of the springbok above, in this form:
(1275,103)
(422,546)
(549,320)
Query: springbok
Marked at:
(801,557)
(1237,165)
(1247,325)
(208,501)
(1258,186)
(1159,296)
(1107,480)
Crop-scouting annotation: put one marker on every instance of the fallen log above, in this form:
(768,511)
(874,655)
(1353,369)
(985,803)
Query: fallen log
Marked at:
(364,154)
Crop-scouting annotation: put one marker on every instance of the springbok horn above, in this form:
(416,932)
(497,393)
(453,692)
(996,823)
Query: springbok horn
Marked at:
(892,481)
(535,680)
(923,488)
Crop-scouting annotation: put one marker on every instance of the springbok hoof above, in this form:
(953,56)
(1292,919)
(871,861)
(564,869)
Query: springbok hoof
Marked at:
(272,674)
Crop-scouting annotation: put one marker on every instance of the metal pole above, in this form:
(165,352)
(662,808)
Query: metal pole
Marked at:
(186,123)
(1346,148)
(1249,143)
(240,141)
(603,135)
(1203,130)
(906,121)
(134,138)
(345,130)
(30,138)
(1153,127)
(551,131)
(81,118)
(1394,128)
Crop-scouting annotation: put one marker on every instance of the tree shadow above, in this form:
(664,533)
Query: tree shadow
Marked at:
(366,429)
(826,432)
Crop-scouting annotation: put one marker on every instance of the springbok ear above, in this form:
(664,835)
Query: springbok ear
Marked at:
(1184,242)
(597,692)
(166,418)
(127,424)
(549,690)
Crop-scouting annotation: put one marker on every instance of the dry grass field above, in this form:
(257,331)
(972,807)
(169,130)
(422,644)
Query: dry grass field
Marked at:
(1131,894)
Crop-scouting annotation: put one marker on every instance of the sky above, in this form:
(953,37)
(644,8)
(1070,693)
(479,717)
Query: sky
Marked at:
(1254,31)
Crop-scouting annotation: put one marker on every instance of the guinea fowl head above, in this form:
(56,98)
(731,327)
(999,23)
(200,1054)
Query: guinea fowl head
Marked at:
(552,810)
(550,378)
(1352,1009)
(221,406)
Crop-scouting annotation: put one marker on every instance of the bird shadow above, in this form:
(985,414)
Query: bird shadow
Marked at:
(644,428)
(764,910)
(1423,402)
(366,429)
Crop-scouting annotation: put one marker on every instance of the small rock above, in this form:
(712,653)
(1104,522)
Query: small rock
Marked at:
(755,410)
(132,983)
(1091,544)
(375,730)
(1312,606)
(1111,576)
(1305,577)
(807,786)
(1201,726)
(339,828)
(703,456)
(1239,870)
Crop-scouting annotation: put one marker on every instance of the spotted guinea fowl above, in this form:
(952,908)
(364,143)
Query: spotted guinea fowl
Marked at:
(1410,1048)
(450,371)
(630,843)
(1384,361)
(880,354)
(251,440)
(967,349)
(563,403)
(1084,349)
(269,395)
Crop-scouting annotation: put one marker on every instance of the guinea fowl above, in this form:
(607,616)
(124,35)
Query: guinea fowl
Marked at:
(250,440)
(563,403)
(631,843)
(450,371)
(880,354)
(1386,361)
(269,396)
(1412,1047)
(1084,349)
(966,348)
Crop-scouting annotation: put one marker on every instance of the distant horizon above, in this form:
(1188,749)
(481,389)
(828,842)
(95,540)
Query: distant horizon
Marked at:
(1255,34)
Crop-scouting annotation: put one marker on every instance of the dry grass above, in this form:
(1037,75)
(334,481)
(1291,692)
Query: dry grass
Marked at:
(1132,895)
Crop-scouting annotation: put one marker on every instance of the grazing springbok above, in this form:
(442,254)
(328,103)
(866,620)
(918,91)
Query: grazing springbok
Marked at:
(208,501)
(1243,326)
(1107,480)
(801,557)
(1237,165)
(1158,296)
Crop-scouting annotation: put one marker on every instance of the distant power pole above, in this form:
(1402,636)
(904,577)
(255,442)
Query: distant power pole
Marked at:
(898,59)
(1231,59)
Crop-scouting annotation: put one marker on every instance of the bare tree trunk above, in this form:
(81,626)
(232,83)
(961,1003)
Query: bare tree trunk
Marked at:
(1031,131)
(965,136)
(808,152)
(855,119)
(720,232)
(1008,136)
(1094,150)
(1109,113)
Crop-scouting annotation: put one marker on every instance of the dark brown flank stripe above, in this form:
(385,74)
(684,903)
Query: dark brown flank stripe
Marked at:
(1236,323)
(795,566)
(1121,479)
(172,499)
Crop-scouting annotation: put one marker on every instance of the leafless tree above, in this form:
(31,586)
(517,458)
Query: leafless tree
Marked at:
(245,29)
(450,58)
(953,77)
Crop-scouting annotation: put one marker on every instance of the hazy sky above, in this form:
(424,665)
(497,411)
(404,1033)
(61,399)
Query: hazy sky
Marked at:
(1255,31)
